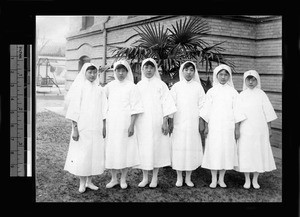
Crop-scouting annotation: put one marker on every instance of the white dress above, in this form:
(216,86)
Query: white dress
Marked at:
(154,146)
(221,114)
(254,149)
(86,156)
(187,150)
(123,101)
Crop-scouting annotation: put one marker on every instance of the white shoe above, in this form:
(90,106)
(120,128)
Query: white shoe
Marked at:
(189,183)
(213,185)
(82,188)
(143,183)
(179,182)
(112,183)
(153,184)
(123,185)
(222,184)
(247,185)
(256,185)
(91,186)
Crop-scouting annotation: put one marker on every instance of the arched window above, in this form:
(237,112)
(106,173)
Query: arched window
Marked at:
(87,21)
(83,60)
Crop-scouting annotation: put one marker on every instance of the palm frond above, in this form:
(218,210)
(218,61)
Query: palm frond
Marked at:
(135,53)
(188,34)
(154,38)
(214,53)
(194,25)
(172,46)
(151,34)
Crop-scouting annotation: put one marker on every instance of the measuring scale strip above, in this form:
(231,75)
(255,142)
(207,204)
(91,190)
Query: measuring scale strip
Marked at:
(29,111)
(19,73)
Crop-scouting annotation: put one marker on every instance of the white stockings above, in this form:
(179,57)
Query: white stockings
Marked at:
(179,181)
(86,182)
(82,182)
(214,180)
(89,184)
(188,181)
(153,183)
(114,180)
(123,183)
(254,180)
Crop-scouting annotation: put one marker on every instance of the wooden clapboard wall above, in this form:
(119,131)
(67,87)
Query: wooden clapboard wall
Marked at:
(251,42)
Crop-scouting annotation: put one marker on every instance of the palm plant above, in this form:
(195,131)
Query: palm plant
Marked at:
(172,46)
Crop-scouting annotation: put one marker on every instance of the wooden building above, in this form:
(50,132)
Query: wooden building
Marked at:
(251,42)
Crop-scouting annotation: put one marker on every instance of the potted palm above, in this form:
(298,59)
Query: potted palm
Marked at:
(172,46)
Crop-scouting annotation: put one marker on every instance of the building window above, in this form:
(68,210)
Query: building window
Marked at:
(87,21)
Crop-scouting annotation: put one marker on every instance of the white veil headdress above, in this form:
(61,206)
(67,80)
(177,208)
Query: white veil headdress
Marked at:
(127,66)
(76,87)
(196,75)
(217,70)
(156,74)
(254,74)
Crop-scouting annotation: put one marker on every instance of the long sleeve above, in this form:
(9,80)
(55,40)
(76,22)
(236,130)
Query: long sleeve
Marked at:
(201,100)
(237,109)
(104,103)
(73,110)
(105,94)
(136,103)
(168,104)
(173,94)
(268,108)
(206,108)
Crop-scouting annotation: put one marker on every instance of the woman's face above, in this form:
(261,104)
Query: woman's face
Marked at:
(148,71)
(251,82)
(91,75)
(223,76)
(188,73)
(121,74)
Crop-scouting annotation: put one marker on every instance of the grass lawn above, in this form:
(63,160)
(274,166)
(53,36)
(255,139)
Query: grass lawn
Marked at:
(53,184)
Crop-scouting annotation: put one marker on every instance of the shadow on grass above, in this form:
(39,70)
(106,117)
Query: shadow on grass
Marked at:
(53,184)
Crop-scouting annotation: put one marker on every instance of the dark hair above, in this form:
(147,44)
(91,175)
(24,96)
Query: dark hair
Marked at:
(188,64)
(224,70)
(149,63)
(91,68)
(121,66)
(250,77)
